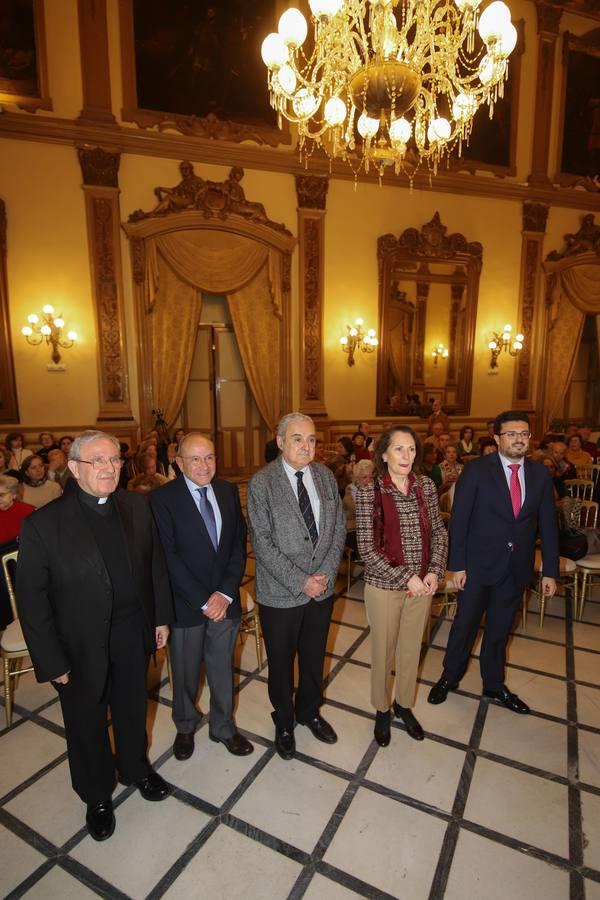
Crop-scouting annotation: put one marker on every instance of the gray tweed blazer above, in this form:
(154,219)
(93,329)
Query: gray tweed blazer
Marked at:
(285,556)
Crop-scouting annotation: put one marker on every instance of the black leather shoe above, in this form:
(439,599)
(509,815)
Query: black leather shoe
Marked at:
(183,745)
(413,728)
(511,701)
(153,787)
(382,730)
(285,743)
(439,691)
(100,820)
(236,744)
(321,729)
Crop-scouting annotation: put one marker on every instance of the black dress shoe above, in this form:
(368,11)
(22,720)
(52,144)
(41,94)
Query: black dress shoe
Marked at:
(439,691)
(183,745)
(413,728)
(382,730)
(321,729)
(153,787)
(236,744)
(100,820)
(285,743)
(511,701)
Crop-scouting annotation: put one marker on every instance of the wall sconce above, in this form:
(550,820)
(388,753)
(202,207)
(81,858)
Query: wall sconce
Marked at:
(439,352)
(50,329)
(506,341)
(356,339)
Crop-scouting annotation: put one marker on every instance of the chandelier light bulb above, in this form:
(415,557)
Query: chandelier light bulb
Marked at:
(507,40)
(335,111)
(304,103)
(59,322)
(273,51)
(285,79)
(328,8)
(292,28)
(464,107)
(493,19)
(367,127)
(400,131)
(490,71)
(439,130)
(464,5)
(48,309)
(72,335)
(27,330)
(46,330)
(33,318)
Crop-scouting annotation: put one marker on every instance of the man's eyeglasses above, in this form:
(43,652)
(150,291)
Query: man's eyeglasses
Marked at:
(196,460)
(102,462)
(514,434)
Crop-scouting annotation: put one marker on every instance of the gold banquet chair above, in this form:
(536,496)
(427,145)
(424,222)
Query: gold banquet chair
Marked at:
(581,488)
(13,649)
(444,601)
(567,577)
(250,622)
(588,567)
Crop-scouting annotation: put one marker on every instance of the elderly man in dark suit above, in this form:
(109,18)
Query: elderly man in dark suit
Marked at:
(298,533)
(94,602)
(502,503)
(203,533)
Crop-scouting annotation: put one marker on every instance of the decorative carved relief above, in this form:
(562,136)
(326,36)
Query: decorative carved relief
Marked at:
(421,319)
(109,327)
(431,241)
(312,191)
(456,292)
(548,17)
(527,318)
(211,127)
(312,309)
(585,240)
(99,167)
(137,259)
(535,216)
(215,199)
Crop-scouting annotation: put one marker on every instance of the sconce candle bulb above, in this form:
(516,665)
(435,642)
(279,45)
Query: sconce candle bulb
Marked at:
(511,344)
(49,330)
(357,339)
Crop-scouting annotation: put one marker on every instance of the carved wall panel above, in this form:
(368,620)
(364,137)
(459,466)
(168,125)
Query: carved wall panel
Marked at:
(9,411)
(95,71)
(535,216)
(548,24)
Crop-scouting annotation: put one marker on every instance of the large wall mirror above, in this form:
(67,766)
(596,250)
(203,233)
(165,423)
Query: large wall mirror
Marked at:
(428,288)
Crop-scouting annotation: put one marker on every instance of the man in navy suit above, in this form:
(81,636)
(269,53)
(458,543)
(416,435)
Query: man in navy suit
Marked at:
(203,533)
(502,502)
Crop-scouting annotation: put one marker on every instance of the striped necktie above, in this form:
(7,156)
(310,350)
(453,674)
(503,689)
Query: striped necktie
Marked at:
(307,510)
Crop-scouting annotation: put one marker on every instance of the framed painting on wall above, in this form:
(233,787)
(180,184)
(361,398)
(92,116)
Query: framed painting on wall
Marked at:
(195,67)
(23,66)
(580,112)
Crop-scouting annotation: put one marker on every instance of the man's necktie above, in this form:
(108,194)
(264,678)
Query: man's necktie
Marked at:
(208,514)
(307,510)
(515,488)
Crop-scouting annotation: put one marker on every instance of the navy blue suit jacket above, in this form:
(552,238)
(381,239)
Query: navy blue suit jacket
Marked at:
(486,540)
(196,570)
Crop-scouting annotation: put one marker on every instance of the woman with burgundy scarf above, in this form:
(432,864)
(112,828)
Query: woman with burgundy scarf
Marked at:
(403,542)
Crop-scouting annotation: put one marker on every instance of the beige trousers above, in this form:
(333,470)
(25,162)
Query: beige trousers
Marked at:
(397,623)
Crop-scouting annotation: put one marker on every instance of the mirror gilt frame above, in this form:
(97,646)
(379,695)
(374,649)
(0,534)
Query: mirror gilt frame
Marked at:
(412,253)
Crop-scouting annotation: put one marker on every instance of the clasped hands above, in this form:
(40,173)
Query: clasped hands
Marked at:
(315,586)
(216,607)
(422,587)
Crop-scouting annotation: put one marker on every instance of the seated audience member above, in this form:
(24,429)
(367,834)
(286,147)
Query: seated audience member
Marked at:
(434,434)
(487,446)
(364,428)
(4,460)
(487,436)
(564,469)
(575,454)
(319,451)
(147,464)
(570,429)
(64,444)
(167,453)
(362,475)
(15,444)
(341,464)
(48,442)
(359,448)
(429,464)
(143,484)
(585,433)
(450,469)
(58,469)
(438,415)
(465,445)
(558,484)
(443,440)
(12,514)
(37,489)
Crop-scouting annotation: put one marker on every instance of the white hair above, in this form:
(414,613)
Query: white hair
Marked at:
(291,417)
(85,437)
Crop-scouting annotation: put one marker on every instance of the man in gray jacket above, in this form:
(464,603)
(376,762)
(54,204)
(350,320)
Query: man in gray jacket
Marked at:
(298,533)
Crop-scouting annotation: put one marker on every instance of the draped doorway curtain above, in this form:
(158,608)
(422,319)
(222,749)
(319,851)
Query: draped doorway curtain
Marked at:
(254,276)
(574,293)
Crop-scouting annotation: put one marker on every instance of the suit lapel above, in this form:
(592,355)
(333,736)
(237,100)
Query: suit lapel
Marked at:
(192,513)
(318,483)
(287,491)
(224,503)
(529,475)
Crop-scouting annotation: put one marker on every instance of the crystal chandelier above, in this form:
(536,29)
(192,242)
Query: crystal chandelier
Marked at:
(388,82)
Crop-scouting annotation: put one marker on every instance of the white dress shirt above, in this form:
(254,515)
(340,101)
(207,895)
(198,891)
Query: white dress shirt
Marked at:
(309,484)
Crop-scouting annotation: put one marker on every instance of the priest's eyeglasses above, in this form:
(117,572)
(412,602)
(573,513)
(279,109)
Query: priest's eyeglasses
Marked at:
(102,462)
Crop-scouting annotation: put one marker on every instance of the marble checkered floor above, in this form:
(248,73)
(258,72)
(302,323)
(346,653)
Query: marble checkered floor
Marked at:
(490,805)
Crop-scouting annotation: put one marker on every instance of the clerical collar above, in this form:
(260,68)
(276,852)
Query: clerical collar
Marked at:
(93,502)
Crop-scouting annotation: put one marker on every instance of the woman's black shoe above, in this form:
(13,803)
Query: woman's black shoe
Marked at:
(382,728)
(413,728)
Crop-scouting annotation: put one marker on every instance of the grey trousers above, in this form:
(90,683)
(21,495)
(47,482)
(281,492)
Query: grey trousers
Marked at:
(213,642)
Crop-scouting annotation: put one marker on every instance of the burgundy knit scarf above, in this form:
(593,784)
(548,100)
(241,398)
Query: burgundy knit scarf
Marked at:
(387,527)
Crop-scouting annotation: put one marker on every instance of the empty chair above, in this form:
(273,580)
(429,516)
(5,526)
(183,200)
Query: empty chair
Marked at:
(588,568)
(582,488)
(567,578)
(13,649)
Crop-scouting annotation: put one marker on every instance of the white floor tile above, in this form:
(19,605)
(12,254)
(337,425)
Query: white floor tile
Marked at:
(588,705)
(590,809)
(17,860)
(51,806)
(433,664)
(253,710)
(25,750)
(211,773)
(291,801)
(381,842)
(526,739)
(231,866)
(541,692)
(428,771)
(587,666)
(341,638)
(357,590)
(352,685)
(322,888)
(149,837)
(159,728)
(485,869)
(54,714)
(522,806)
(553,628)
(536,655)
(592,890)
(452,719)
(349,611)
(586,636)
(31,694)
(355,733)
(363,651)
(59,884)
(589,757)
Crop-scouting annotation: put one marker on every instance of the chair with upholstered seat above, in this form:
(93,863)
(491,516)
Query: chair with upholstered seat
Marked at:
(13,649)
(567,578)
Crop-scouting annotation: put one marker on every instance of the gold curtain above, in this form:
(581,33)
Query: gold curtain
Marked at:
(258,331)
(576,293)
(181,265)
